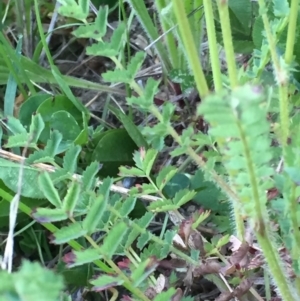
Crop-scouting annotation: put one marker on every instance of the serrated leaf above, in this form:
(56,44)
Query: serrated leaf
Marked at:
(95,212)
(65,234)
(13,125)
(105,281)
(77,258)
(183,196)
(164,176)
(70,158)
(130,171)
(149,160)
(151,251)
(111,49)
(167,112)
(72,9)
(59,175)
(105,187)
(184,78)
(89,176)
(143,189)
(28,139)
(137,158)
(94,31)
(128,75)
(46,215)
(169,235)
(146,100)
(281,8)
(47,187)
(113,239)
(223,241)
(143,240)
(50,151)
(127,206)
(36,127)
(162,206)
(71,198)
(165,250)
(19,140)
(143,222)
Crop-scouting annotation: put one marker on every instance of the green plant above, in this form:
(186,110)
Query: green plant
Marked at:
(253,129)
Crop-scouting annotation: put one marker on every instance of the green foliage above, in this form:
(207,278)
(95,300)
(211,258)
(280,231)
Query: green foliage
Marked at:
(71,8)
(20,285)
(236,158)
(247,151)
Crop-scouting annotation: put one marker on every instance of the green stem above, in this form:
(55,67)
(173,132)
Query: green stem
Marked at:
(213,47)
(261,227)
(266,58)
(227,41)
(190,47)
(295,233)
(238,222)
(291,35)
(41,33)
(286,291)
(188,160)
(281,76)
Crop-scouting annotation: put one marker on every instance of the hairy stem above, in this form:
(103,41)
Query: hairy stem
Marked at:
(281,76)
(260,219)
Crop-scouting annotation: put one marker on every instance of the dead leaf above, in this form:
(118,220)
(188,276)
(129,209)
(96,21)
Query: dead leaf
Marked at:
(228,269)
(185,229)
(243,288)
(211,267)
(240,257)
(197,241)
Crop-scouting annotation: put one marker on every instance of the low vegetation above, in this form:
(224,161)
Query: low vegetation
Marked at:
(149,150)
